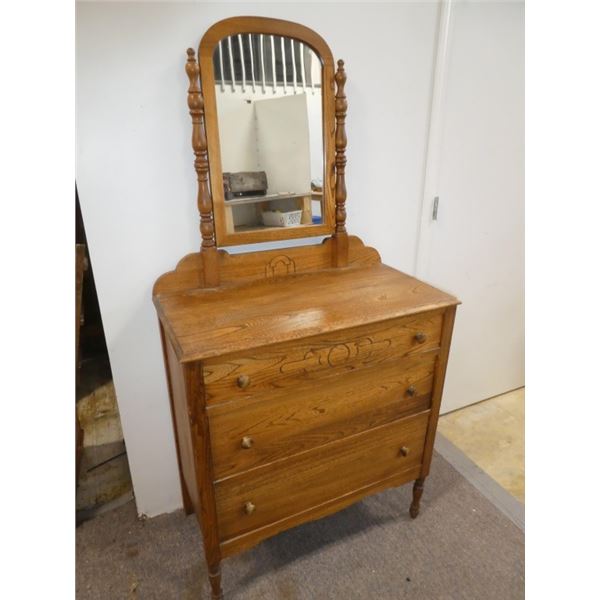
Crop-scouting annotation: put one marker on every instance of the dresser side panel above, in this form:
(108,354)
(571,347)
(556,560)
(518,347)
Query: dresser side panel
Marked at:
(438,387)
(181,421)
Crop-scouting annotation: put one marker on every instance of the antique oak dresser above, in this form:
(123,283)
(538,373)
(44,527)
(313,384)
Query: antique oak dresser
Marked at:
(301,378)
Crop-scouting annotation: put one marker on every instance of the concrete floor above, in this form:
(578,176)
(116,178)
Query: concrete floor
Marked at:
(104,476)
(492,434)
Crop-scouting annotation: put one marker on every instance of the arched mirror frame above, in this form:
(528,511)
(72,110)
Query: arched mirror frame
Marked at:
(264,25)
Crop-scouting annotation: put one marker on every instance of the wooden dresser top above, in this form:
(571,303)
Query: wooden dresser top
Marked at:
(203,323)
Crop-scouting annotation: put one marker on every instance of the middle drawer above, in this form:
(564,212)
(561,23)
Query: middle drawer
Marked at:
(246,433)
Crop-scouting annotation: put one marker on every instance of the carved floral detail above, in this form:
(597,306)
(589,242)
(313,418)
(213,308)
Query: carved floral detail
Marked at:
(361,348)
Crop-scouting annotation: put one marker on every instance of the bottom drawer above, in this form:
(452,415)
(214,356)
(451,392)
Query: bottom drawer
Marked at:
(272,492)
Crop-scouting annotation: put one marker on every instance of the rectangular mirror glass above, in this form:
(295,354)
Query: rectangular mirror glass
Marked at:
(269,107)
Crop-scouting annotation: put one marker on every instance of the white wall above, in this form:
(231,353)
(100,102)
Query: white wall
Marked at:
(137,184)
(237,131)
(475,248)
(237,126)
(283,143)
(314,103)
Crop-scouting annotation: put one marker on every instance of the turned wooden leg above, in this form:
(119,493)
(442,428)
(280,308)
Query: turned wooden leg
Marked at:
(416,499)
(214,576)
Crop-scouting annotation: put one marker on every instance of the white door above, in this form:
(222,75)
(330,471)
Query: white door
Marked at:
(475,166)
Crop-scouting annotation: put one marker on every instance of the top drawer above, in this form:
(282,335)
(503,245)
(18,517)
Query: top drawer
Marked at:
(286,365)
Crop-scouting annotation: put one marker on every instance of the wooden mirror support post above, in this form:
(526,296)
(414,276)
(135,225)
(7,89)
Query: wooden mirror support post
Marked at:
(199,144)
(301,379)
(341,106)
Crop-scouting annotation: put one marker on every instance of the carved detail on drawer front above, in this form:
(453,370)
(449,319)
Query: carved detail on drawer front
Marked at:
(361,349)
(290,486)
(287,365)
(289,422)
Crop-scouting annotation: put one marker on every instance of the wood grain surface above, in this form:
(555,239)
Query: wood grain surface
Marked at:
(293,485)
(438,387)
(288,365)
(211,322)
(253,537)
(289,421)
(206,512)
(181,427)
(260,266)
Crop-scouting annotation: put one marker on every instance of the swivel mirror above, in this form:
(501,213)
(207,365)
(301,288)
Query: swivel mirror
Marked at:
(268,91)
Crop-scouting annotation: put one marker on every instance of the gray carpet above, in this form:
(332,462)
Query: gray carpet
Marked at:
(460,547)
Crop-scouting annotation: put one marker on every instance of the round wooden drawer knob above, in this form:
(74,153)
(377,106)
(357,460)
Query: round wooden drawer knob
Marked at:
(404,451)
(249,508)
(243,381)
(420,337)
(411,390)
(247,442)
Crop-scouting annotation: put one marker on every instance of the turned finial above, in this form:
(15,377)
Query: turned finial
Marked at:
(195,99)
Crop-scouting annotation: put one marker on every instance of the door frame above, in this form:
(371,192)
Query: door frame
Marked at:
(431,175)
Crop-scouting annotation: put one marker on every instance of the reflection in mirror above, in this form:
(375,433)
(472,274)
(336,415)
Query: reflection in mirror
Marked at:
(269,106)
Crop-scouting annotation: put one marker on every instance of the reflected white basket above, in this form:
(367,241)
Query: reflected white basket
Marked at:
(276,218)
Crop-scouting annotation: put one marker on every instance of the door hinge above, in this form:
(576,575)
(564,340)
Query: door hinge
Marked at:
(435,208)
